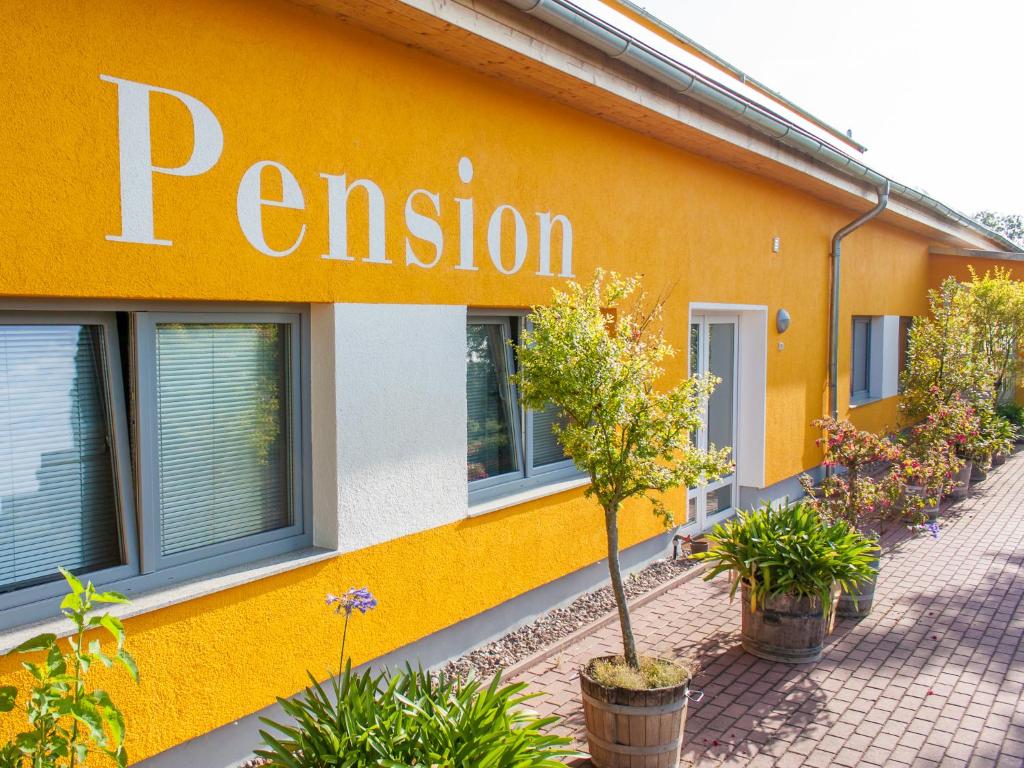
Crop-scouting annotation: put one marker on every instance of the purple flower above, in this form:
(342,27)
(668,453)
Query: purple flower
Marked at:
(354,599)
(933,529)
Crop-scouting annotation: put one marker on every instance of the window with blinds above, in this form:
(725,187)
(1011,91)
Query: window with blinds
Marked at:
(58,505)
(504,443)
(860,367)
(223,455)
(491,408)
(146,447)
(545,449)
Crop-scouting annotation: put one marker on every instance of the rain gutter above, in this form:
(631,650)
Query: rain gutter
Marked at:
(605,37)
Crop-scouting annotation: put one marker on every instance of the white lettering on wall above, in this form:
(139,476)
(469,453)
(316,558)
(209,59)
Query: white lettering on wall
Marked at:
(423,209)
(423,227)
(251,201)
(338,191)
(465,219)
(137,169)
(494,239)
(547,222)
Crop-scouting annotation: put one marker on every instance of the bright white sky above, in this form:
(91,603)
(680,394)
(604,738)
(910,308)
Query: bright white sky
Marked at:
(933,88)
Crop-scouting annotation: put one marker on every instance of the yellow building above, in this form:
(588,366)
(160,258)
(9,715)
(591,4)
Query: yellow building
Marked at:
(258,261)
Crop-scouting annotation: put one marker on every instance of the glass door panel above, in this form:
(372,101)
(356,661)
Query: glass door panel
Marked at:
(713,350)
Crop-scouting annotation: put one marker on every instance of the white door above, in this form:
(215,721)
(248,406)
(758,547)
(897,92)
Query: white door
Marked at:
(713,348)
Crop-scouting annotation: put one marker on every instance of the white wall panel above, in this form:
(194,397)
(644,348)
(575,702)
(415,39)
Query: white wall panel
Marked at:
(396,417)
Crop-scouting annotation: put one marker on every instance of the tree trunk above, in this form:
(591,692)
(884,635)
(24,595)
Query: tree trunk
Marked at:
(611,524)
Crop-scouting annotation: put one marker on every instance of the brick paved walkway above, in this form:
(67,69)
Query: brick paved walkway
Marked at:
(934,676)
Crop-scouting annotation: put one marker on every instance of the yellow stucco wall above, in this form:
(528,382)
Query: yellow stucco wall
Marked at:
(304,89)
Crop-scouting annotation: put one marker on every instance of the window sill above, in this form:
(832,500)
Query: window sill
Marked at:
(180,592)
(864,401)
(522,491)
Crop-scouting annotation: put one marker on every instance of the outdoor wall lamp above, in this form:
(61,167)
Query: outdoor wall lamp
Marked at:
(781,321)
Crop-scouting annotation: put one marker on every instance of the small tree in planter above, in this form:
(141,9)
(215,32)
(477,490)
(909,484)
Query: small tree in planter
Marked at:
(596,353)
(866,495)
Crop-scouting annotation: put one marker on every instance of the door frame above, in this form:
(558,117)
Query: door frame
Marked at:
(703,317)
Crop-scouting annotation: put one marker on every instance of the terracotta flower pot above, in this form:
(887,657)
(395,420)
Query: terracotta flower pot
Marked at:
(699,545)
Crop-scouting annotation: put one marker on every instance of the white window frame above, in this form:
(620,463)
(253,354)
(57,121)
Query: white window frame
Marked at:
(138,517)
(528,476)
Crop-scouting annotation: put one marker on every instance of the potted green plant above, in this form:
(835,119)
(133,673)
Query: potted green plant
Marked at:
(787,561)
(597,354)
(863,488)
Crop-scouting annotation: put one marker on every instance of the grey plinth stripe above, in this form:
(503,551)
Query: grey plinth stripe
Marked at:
(232,744)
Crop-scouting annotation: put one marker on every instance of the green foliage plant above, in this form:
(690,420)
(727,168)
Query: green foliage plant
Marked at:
(943,363)
(1014,414)
(789,550)
(408,718)
(996,316)
(597,352)
(412,718)
(68,721)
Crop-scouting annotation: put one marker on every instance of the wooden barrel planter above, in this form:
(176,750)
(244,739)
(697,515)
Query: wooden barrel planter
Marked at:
(857,604)
(963,481)
(785,628)
(634,729)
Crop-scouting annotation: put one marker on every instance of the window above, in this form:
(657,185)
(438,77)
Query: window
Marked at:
(209,475)
(504,445)
(906,323)
(860,369)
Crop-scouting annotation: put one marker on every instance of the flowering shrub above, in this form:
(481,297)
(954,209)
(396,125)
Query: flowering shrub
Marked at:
(856,496)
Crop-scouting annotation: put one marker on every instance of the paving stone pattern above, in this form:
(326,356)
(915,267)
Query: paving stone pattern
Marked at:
(933,677)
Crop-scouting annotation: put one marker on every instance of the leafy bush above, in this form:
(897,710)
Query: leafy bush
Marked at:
(1013,413)
(67,722)
(789,550)
(943,362)
(410,718)
(995,434)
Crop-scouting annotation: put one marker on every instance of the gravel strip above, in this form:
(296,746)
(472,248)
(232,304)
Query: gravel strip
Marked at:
(552,626)
(560,622)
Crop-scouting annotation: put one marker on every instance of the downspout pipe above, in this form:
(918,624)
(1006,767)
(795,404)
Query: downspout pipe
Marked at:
(833,336)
